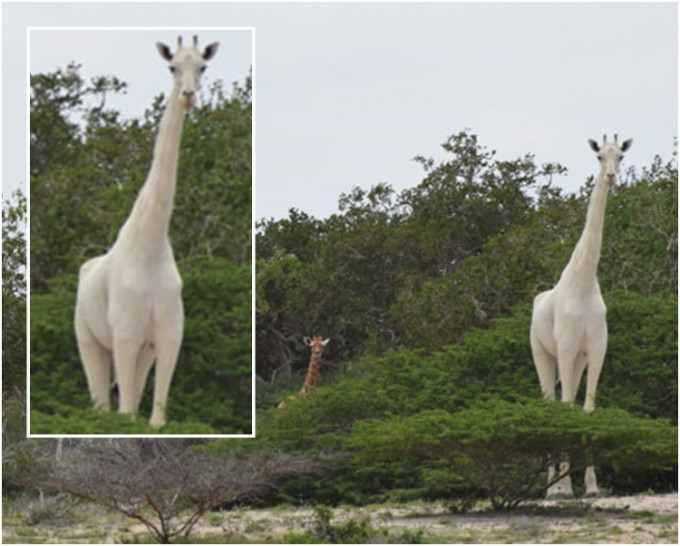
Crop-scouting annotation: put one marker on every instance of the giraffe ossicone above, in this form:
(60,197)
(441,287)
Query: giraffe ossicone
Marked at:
(569,324)
(129,311)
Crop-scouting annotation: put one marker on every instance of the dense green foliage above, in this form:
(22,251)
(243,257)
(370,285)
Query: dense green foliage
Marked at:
(87,165)
(217,299)
(503,449)
(14,294)
(426,296)
(475,238)
(490,365)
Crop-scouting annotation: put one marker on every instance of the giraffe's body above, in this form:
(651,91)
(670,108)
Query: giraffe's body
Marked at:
(129,305)
(569,326)
(313,370)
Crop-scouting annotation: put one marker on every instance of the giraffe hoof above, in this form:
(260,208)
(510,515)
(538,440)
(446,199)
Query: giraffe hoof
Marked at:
(156,423)
(559,496)
(592,495)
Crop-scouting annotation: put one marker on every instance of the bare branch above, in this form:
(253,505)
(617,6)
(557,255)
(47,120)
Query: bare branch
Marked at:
(163,483)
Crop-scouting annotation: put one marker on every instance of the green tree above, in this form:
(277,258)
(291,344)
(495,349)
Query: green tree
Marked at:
(363,265)
(640,373)
(503,449)
(14,293)
(469,198)
(641,232)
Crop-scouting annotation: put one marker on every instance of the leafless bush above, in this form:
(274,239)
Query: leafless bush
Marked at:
(162,483)
(49,509)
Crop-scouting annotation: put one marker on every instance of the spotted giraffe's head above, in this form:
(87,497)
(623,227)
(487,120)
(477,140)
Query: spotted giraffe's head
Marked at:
(317,344)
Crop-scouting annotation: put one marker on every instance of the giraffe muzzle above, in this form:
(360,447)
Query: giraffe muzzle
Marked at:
(187,99)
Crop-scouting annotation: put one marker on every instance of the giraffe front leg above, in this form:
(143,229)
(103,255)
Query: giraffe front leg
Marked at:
(145,360)
(597,348)
(165,367)
(97,365)
(561,489)
(168,343)
(567,361)
(125,352)
(592,490)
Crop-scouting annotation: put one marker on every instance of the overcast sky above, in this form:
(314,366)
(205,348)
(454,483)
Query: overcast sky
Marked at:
(348,94)
(132,56)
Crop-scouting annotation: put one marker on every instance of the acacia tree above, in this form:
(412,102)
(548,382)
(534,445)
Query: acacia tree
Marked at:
(162,483)
(503,449)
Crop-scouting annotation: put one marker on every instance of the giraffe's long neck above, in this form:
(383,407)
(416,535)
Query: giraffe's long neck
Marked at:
(581,271)
(312,378)
(146,229)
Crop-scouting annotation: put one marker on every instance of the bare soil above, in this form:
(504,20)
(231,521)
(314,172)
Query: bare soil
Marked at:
(647,519)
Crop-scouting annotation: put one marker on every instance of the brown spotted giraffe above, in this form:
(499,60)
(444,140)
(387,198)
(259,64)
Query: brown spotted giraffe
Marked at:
(312,379)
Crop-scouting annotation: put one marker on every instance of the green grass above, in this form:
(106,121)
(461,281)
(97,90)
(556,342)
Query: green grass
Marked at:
(647,516)
(90,421)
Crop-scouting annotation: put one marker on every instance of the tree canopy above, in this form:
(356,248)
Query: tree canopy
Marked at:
(14,293)
(477,236)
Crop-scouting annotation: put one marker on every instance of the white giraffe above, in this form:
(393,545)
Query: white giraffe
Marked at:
(569,325)
(129,304)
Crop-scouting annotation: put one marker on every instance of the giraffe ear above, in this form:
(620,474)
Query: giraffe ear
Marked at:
(626,144)
(210,51)
(164,51)
(594,145)
(307,340)
(325,341)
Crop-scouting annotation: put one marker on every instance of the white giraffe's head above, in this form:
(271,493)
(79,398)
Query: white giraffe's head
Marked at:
(610,154)
(187,65)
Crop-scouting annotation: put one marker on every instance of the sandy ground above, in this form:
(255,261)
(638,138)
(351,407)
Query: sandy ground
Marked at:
(624,520)
(647,519)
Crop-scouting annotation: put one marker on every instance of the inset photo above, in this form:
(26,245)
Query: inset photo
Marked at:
(140,232)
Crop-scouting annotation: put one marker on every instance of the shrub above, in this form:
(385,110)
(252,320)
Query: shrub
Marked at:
(212,381)
(503,449)
(161,483)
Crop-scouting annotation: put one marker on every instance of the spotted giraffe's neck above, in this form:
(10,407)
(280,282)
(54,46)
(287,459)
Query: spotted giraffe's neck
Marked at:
(312,378)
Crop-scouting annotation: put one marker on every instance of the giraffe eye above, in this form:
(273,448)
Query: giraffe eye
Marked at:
(599,157)
(172,69)
(203,69)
